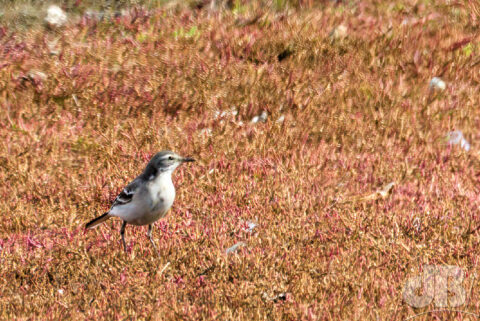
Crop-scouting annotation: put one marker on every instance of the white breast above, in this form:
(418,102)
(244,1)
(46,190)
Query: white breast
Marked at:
(162,193)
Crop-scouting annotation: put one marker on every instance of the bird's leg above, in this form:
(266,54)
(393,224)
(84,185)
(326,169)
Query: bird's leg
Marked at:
(149,234)
(122,233)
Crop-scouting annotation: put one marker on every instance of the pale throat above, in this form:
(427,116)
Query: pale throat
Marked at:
(162,178)
(162,186)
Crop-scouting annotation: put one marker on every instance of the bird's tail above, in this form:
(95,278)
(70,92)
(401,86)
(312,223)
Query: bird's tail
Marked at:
(96,221)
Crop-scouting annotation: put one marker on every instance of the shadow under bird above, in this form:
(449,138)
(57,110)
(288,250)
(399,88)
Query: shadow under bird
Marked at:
(148,197)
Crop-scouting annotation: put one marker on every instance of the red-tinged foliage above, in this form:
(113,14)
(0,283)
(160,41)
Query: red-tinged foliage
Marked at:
(83,109)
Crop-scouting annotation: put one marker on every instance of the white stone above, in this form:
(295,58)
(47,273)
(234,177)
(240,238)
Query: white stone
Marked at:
(456,138)
(234,248)
(437,83)
(260,118)
(56,16)
(37,74)
(251,226)
(339,32)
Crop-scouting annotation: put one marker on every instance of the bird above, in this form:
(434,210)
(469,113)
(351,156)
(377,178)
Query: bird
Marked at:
(147,198)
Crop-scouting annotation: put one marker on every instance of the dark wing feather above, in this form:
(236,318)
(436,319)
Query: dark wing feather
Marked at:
(127,194)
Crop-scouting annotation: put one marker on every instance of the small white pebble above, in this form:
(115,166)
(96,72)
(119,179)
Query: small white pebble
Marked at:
(55,16)
(437,83)
(60,291)
(251,226)
(260,118)
(234,248)
(386,189)
(456,138)
(280,119)
(36,74)
(263,116)
(232,112)
(339,32)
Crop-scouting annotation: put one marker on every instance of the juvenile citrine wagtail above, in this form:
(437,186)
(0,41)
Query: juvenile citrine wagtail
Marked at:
(148,197)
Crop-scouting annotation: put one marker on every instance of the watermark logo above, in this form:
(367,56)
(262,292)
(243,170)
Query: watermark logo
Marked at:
(441,285)
(435,284)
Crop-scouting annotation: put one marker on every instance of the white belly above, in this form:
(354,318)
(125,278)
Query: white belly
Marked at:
(151,205)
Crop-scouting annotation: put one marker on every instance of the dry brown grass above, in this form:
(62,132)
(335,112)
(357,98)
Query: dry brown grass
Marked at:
(358,114)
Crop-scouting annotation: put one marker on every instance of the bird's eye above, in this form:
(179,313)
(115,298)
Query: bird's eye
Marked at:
(170,158)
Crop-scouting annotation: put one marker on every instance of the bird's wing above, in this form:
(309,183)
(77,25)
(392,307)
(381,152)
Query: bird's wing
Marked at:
(127,194)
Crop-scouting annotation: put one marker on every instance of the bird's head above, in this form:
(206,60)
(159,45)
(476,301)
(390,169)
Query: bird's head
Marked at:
(165,161)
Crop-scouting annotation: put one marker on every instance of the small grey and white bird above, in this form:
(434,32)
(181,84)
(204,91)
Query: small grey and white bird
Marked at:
(148,197)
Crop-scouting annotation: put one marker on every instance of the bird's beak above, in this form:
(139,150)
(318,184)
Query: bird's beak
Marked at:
(187,159)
